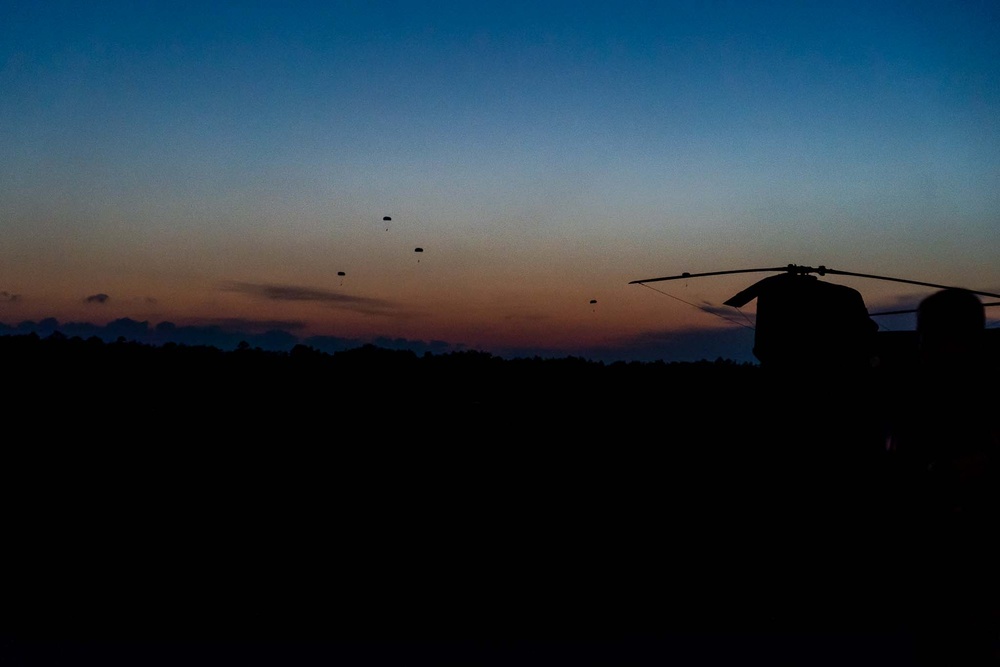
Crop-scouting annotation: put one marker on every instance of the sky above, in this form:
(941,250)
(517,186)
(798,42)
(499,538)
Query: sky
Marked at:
(216,166)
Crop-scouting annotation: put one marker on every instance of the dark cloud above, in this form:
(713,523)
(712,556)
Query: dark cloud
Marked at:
(896,303)
(7,296)
(734,342)
(243,324)
(296,293)
(729,314)
(225,334)
(97,298)
(898,313)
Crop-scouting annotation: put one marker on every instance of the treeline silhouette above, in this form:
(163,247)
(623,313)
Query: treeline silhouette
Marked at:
(296,389)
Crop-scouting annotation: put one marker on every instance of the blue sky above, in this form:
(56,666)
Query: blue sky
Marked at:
(217,164)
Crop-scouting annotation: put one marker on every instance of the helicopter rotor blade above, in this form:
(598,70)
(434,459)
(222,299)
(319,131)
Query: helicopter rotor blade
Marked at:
(711,273)
(911,282)
(821,270)
(913,310)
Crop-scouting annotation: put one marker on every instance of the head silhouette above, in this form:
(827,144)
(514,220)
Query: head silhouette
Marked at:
(950,325)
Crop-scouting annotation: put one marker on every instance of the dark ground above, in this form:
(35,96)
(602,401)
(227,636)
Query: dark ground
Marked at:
(363,551)
(684,517)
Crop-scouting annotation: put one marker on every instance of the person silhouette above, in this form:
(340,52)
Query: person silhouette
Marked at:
(946,437)
(944,441)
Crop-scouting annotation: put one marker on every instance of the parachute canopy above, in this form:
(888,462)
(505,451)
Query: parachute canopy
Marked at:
(593,300)
(418,250)
(386,219)
(341,273)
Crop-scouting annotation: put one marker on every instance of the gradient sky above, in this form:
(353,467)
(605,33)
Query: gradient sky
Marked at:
(220,162)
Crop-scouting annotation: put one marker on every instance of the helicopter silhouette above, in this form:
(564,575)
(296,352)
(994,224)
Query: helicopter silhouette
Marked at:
(834,388)
(804,324)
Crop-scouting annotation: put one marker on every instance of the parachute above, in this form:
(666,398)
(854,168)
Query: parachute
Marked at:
(418,250)
(341,274)
(386,219)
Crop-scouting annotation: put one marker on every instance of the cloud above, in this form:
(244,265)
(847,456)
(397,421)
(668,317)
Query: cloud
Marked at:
(243,324)
(691,345)
(225,334)
(297,293)
(733,343)
(10,298)
(97,298)
(729,314)
(898,313)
